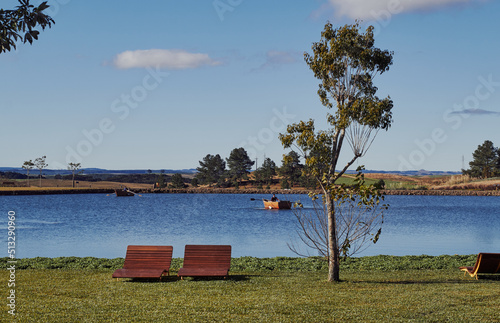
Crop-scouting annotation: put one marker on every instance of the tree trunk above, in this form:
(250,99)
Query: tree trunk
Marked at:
(333,250)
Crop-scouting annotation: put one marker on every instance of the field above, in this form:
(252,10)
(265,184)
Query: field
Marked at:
(374,289)
(67,184)
(392,182)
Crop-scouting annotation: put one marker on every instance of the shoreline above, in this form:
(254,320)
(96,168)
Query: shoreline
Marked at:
(51,191)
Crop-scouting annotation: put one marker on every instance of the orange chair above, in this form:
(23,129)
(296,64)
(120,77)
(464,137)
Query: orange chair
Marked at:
(486,263)
(145,262)
(206,260)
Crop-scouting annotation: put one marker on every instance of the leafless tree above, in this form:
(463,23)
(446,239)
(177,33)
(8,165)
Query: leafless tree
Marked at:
(358,224)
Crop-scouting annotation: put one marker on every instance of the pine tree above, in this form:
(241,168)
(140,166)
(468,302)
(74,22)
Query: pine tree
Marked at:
(485,161)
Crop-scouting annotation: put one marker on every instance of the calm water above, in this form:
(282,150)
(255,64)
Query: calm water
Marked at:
(102,226)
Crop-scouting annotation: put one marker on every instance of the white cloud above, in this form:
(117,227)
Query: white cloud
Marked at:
(174,59)
(276,58)
(477,112)
(371,9)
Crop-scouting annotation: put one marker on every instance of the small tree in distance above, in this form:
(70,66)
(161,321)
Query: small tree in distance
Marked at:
(75,169)
(485,163)
(291,169)
(40,164)
(28,165)
(177,181)
(498,160)
(211,169)
(239,164)
(266,172)
(194,182)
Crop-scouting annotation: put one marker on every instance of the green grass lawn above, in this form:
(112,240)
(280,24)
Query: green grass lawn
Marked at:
(373,289)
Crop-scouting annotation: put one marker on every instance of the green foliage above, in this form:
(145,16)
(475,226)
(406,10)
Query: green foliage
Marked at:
(20,24)
(308,181)
(65,263)
(239,164)
(28,165)
(395,185)
(346,61)
(177,181)
(498,161)
(253,264)
(160,181)
(486,162)
(266,172)
(12,175)
(285,184)
(211,170)
(291,168)
(380,184)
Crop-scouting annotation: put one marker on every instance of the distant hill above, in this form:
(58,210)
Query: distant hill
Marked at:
(421,172)
(89,171)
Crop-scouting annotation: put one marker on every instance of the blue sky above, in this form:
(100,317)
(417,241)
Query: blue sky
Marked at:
(160,84)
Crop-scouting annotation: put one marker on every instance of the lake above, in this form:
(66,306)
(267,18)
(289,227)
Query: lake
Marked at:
(102,226)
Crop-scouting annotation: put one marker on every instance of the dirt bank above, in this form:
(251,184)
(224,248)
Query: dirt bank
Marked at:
(56,191)
(239,191)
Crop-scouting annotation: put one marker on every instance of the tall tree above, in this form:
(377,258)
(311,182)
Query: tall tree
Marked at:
(266,172)
(75,169)
(160,181)
(211,169)
(291,168)
(40,164)
(485,161)
(20,23)
(28,165)
(177,181)
(498,160)
(239,164)
(346,62)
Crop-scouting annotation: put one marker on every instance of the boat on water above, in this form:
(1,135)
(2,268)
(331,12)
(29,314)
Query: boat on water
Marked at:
(122,192)
(281,205)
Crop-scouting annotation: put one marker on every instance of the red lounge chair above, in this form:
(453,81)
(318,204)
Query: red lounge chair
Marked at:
(145,262)
(205,261)
(486,263)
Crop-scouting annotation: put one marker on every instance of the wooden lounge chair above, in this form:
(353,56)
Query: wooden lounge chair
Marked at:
(205,261)
(486,263)
(145,262)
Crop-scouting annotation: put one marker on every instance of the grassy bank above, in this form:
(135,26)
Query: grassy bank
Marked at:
(381,288)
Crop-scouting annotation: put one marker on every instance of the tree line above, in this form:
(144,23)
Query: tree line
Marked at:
(159,180)
(230,172)
(485,162)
